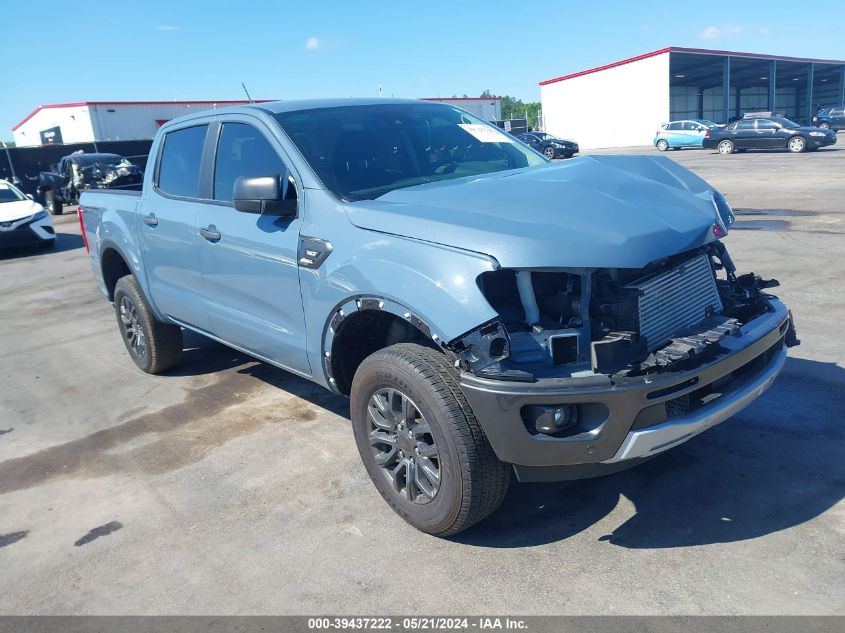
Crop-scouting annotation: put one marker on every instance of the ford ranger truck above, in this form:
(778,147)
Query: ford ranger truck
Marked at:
(484,309)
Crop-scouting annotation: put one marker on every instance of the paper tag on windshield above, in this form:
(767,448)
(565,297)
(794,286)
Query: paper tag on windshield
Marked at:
(485,133)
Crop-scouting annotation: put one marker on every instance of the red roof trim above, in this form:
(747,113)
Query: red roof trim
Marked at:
(607,66)
(119,103)
(699,51)
(460,98)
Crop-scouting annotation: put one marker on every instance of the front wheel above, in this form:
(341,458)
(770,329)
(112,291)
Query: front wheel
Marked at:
(726,147)
(420,442)
(662,145)
(549,152)
(824,126)
(797,144)
(53,204)
(153,345)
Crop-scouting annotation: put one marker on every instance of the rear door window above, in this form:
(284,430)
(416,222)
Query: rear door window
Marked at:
(747,124)
(243,151)
(181,157)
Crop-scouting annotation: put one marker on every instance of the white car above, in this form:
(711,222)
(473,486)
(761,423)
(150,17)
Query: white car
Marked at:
(23,222)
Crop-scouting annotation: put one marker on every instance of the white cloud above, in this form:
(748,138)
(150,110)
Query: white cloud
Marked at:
(312,44)
(167,28)
(719,32)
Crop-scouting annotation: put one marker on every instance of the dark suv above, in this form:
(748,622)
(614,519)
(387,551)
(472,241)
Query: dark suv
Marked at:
(830,119)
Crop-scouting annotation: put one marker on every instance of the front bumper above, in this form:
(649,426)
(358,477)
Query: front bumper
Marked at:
(26,232)
(635,422)
(566,151)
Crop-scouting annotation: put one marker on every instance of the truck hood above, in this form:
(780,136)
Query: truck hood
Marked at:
(589,212)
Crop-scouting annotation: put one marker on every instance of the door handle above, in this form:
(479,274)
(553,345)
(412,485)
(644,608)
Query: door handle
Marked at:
(211,234)
(151,220)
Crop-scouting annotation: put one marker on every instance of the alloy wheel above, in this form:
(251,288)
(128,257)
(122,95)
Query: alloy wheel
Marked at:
(796,144)
(133,331)
(549,152)
(726,147)
(403,445)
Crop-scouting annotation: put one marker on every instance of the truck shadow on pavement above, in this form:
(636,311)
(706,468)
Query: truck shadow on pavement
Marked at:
(203,356)
(773,466)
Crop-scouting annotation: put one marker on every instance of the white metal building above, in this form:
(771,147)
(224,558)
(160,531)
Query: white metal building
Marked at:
(93,121)
(621,104)
(487,108)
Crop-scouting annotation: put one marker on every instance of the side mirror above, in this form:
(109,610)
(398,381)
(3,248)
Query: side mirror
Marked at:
(267,195)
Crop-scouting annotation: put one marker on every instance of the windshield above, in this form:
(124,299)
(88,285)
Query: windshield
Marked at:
(9,194)
(545,137)
(706,123)
(365,151)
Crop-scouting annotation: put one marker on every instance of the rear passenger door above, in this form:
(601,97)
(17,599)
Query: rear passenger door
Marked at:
(167,227)
(250,263)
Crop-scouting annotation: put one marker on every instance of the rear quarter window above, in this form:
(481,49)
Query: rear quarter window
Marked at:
(181,156)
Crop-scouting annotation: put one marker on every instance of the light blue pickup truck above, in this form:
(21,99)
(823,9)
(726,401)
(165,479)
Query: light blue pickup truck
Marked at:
(485,309)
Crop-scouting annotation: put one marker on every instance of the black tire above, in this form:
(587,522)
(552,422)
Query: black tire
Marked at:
(662,145)
(726,147)
(161,342)
(796,144)
(53,204)
(472,481)
(824,126)
(549,152)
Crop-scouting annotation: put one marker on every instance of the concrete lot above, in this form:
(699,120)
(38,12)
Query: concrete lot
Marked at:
(230,487)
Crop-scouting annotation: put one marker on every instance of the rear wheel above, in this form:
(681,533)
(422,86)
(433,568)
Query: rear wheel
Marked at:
(726,147)
(53,204)
(420,442)
(662,145)
(153,346)
(797,144)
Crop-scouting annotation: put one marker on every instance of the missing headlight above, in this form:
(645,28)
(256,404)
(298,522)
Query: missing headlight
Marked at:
(483,346)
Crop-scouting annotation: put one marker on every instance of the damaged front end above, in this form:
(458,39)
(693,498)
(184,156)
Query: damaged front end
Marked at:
(105,175)
(668,316)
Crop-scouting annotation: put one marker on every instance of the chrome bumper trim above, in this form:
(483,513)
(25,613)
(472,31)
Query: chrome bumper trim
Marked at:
(661,437)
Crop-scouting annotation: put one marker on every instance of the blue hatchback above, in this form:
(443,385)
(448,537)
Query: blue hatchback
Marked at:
(678,134)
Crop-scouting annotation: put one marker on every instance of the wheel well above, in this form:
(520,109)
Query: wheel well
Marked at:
(114,267)
(364,332)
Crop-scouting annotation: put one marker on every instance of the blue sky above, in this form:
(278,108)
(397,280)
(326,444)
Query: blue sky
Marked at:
(155,50)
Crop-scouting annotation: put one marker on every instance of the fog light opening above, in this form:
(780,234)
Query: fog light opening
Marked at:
(551,419)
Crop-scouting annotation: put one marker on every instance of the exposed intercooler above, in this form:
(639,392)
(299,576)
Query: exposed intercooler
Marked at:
(668,303)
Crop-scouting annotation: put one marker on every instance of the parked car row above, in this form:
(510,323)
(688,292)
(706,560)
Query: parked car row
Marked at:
(755,130)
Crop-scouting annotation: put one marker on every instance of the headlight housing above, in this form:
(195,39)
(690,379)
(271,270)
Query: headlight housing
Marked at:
(484,346)
(818,133)
(38,216)
(724,214)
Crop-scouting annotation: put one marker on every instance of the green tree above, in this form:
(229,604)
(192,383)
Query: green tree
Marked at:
(513,108)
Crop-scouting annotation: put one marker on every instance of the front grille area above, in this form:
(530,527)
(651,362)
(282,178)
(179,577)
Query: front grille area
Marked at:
(672,301)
